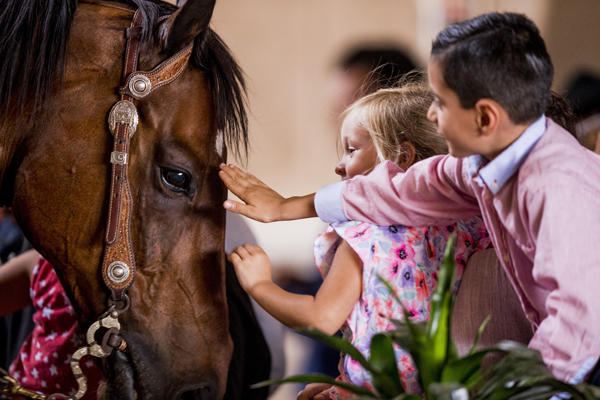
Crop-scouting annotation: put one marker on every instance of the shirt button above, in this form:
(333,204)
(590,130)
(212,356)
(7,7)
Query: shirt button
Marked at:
(531,315)
(506,257)
(494,186)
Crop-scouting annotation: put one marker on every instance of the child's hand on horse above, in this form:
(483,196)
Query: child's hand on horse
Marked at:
(263,204)
(252,266)
(315,391)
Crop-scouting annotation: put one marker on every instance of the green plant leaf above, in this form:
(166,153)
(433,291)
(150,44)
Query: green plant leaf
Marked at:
(411,337)
(338,344)
(318,378)
(461,370)
(447,391)
(479,334)
(444,286)
(590,392)
(386,378)
(438,326)
(390,288)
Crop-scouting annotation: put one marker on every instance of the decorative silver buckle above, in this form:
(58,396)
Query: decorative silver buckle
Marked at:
(117,157)
(123,112)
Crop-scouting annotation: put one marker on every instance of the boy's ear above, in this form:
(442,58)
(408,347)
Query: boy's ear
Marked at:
(488,116)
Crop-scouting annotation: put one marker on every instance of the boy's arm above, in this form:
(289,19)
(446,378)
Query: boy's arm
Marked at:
(566,228)
(326,311)
(15,276)
(432,191)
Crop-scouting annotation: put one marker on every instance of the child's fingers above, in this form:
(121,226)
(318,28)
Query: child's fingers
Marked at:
(236,179)
(232,182)
(254,180)
(234,258)
(233,176)
(241,252)
(253,249)
(235,206)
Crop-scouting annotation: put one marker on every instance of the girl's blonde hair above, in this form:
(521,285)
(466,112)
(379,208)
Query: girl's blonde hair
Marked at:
(396,115)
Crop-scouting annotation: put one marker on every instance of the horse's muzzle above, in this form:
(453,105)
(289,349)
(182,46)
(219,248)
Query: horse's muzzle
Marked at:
(203,393)
(136,374)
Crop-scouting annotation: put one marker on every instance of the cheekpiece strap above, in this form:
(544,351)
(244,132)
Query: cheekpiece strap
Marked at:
(118,264)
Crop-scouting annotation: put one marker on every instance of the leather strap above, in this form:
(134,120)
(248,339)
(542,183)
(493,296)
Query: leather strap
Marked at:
(141,84)
(118,264)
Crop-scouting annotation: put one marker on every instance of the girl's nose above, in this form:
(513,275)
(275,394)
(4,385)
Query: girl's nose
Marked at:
(340,169)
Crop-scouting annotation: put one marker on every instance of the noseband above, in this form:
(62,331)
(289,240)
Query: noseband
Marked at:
(118,263)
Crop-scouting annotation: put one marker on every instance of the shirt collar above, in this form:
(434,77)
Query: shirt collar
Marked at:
(503,167)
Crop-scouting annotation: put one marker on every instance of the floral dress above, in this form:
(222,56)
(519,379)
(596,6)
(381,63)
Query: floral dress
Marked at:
(409,258)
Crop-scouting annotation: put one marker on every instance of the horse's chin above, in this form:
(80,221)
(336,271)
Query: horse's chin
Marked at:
(119,378)
(136,374)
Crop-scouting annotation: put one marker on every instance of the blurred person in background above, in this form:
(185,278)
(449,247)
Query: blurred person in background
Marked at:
(583,94)
(364,69)
(15,327)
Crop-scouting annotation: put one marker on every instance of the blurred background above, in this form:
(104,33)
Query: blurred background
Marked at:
(291,53)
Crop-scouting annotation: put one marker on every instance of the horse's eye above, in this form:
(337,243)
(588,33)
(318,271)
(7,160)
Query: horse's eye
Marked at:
(177,181)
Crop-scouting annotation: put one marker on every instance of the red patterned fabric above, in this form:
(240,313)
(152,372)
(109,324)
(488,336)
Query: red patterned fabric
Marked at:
(43,362)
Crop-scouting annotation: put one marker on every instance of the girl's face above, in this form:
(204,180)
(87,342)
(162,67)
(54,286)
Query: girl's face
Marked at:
(360,155)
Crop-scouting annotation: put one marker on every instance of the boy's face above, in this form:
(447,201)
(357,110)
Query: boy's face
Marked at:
(456,124)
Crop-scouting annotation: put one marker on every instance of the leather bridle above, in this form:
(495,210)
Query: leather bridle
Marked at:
(118,262)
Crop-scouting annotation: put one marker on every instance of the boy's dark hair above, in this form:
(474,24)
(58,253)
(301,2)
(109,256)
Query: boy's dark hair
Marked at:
(500,57)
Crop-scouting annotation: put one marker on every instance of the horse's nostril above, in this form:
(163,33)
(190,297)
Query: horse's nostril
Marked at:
(203,393)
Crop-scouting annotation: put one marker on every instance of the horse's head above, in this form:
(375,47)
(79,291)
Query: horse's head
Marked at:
(58,176)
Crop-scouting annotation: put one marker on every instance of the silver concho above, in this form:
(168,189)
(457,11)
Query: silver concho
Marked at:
(117,157)
(123,112)
(140,86)
(118,271)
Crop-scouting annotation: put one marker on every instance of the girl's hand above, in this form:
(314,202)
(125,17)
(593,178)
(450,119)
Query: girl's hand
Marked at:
(263,204)
(252,266)
(315,391)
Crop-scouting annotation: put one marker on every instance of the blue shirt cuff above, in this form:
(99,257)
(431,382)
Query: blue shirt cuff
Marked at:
(328,203)
(585,369)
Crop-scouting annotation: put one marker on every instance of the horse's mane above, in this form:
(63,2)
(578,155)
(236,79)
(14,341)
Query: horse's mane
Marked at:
(35,35)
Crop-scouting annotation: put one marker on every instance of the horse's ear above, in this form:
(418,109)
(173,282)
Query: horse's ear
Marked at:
(182,27)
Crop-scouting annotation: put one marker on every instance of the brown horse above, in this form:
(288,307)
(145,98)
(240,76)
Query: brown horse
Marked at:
(60,70)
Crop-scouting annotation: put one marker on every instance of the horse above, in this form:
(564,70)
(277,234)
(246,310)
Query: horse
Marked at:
(60,75)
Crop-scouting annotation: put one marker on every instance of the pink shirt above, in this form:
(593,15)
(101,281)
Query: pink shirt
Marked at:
(544,223)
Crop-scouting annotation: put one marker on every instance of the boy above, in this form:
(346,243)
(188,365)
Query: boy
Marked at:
(537,189)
